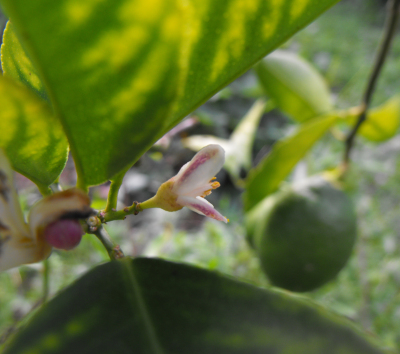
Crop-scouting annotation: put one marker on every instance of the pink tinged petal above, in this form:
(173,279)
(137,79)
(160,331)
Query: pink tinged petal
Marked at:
(199,171)
(201,206)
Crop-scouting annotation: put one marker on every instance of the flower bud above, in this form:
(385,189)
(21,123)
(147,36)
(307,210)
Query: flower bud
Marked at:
(63,234)
(55,219)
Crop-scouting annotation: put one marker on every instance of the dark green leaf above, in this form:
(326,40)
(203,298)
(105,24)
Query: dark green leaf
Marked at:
(266,177)
(154,306)
(121,73)
(295,86)
(30,134)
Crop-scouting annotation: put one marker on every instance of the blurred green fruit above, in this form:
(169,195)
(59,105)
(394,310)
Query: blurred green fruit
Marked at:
(304,234)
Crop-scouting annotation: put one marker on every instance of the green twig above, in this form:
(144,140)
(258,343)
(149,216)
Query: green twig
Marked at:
(44,190)
(113,249)
(81,184)
(112,215)
(113,192)
(383,50)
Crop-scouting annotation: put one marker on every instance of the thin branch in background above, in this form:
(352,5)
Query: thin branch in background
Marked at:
(383,50)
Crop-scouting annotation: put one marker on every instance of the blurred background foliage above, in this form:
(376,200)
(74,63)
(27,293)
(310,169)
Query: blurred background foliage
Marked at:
(341,46)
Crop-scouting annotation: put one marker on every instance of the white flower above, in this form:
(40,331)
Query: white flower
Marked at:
(194,181)
(22,243)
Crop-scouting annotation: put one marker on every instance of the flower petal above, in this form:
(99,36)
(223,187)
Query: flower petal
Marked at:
(17,245)
(69,204)
(14,253)
(201,206)
(12,221)
(200,191)
(199,171)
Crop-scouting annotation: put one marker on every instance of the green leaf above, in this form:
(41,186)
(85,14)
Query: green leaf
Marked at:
(238,147)
(155,306)
(266,177)
(30,134)
(295,86)
(122,73)
(16,64)
(382,122)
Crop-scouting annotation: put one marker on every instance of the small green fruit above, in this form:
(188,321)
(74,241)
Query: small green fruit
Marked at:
(304,234)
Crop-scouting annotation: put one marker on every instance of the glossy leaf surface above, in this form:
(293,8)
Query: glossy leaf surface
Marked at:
(155,306)
(122,73)
(16,64)
(31,136)
(295,86)
(266,177)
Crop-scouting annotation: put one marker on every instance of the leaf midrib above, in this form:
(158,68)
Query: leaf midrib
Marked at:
(137,303)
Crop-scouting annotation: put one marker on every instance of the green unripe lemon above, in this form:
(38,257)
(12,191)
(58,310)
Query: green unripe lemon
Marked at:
(304,234)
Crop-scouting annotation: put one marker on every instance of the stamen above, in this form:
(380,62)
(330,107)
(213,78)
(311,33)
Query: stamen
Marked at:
(208,192)
(212,179)
(215,185)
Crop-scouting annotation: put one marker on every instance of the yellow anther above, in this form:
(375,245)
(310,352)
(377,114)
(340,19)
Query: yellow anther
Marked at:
(215,185)
(206,193)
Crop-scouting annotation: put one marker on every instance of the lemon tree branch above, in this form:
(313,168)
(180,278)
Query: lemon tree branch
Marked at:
(383,50)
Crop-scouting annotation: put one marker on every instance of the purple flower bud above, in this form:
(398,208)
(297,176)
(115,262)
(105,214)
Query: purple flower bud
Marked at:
(64,234)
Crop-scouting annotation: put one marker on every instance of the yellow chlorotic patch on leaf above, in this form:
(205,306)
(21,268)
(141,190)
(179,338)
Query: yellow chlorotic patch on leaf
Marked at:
(272,18)
(149,11)
(192,28)
(78,11)
(146,80)
(117,47)
(125,43)
(298,8)
(172,27)
(232,40)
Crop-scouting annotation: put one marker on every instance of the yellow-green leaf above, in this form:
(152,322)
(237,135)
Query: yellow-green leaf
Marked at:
(30,134)
(266,177)
(295,86)
(382,122)
(16,64)
(121,73)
